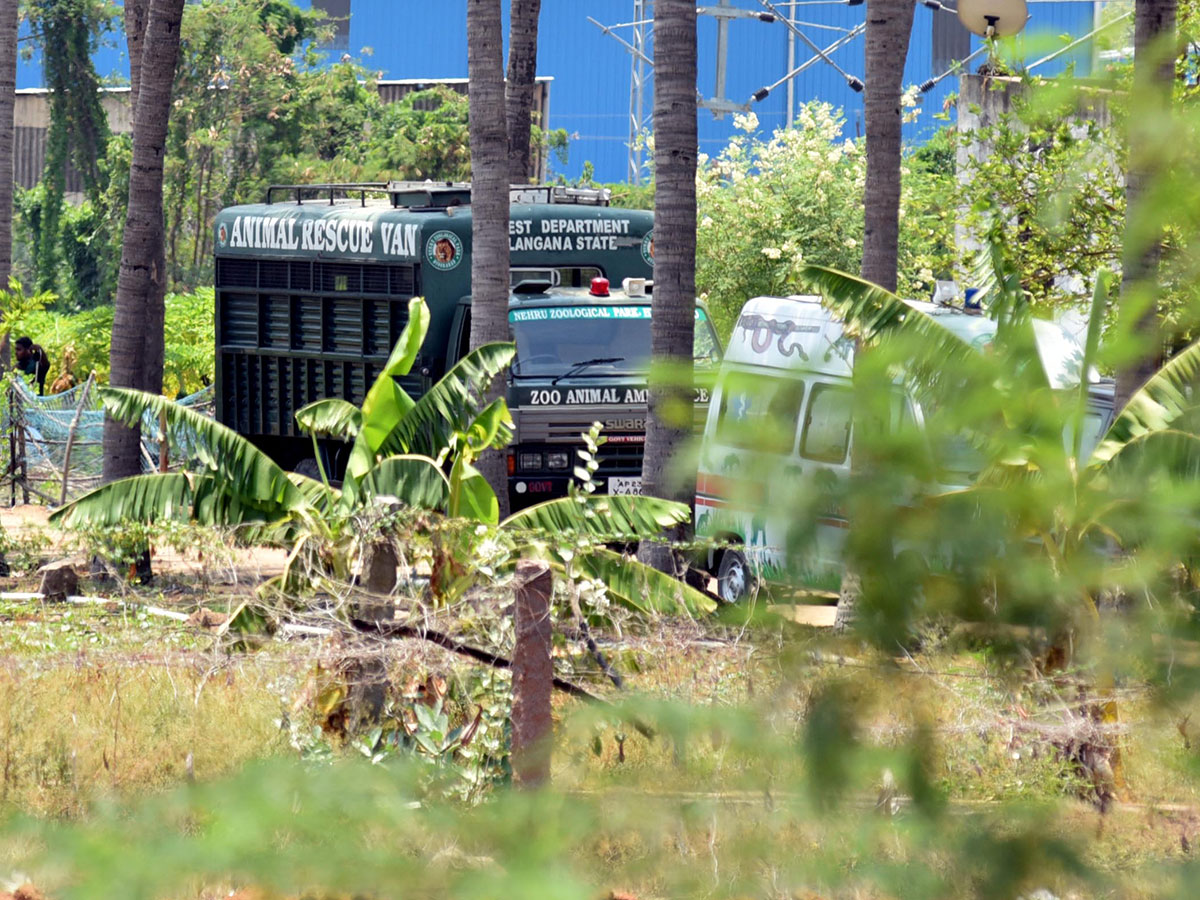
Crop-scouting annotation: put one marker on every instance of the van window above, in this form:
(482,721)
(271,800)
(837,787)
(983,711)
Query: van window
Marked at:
(827,425)
(759,413)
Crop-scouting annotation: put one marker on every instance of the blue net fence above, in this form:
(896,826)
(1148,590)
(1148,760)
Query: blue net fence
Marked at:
(41,428)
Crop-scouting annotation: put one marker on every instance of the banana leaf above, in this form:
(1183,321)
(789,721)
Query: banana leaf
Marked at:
(448,406)
(471,497)
(140,498)
(244,470)
(641,587)
(492,427)
(1157,405)
(608,518)
(870,312)
(414,480)
(1168,451)
(332,417)
(1091,346)
(386,402)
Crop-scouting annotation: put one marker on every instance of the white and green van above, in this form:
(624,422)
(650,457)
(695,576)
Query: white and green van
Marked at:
(779,422)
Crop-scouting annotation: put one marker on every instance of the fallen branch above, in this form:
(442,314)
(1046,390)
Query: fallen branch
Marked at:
(397,630)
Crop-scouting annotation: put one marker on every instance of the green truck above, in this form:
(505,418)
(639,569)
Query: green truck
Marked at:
(312,291)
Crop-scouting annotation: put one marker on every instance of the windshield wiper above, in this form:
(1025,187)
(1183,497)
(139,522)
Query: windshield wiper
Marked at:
(578,367)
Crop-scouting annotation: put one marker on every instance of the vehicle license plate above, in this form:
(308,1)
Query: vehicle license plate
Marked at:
(625,486)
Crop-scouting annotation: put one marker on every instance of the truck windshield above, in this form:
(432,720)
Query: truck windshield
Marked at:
(595,341)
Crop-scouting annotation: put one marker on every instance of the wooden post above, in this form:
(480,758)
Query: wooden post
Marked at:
(24,463)
(83,397)
(164,449)
(12,447)
(533,676)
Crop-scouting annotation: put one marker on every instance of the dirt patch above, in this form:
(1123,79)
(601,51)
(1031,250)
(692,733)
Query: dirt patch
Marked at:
(206,618)
(237,565)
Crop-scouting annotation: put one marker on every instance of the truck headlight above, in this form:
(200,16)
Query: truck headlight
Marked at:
(557,460)
(529,461)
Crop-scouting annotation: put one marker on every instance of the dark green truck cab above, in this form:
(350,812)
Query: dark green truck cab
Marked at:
(583,356)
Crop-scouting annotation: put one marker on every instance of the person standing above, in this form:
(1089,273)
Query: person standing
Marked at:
(32,360)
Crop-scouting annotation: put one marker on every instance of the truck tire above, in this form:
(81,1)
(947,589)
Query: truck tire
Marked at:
(309,468)
(735,580)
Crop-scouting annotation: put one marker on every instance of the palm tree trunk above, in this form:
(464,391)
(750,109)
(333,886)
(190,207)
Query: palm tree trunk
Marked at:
(135,14)
(8,83)
(670,419)
(1153,71)
(137,336)
(518,89)
(889,26)
(489,202)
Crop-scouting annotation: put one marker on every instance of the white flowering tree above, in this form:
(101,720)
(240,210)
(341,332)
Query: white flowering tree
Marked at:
(769,206)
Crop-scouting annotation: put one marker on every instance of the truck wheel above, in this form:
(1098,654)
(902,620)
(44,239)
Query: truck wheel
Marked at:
(735,581)
(309,468)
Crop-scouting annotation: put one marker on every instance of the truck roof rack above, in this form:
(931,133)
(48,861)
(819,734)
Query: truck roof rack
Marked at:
(438,194)
(299,190)
(429,194)
(559,193)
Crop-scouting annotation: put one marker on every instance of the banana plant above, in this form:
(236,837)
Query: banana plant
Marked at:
(419,453)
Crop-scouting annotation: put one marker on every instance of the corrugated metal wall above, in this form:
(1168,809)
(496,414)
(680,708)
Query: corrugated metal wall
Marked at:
(32,116)
(414,39)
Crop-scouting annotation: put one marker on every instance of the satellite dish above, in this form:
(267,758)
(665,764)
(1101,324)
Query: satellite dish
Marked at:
(993,18)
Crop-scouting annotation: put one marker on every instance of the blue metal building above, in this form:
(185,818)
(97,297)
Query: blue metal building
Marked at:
(592,71)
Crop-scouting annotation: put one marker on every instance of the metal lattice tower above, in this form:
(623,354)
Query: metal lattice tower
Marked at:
(639,73)
(641,66)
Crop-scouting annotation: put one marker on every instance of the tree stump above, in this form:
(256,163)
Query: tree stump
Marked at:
(379,579)
(59,581)
(533,676)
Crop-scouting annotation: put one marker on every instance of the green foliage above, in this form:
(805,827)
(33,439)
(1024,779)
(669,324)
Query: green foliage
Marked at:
(422,135)
(18,308)
(79,342)
(284,115)
(88,255)
(189,357)
(1055,191)
(632,196)
(1046,503)
(84,239)
(69,32)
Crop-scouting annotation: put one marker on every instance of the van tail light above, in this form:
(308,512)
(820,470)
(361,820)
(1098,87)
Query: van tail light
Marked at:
(512,464)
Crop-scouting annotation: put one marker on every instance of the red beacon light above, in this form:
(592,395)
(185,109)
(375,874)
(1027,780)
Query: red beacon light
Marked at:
(599,287)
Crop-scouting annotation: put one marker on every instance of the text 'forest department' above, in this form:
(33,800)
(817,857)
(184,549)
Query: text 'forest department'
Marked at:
(565,234)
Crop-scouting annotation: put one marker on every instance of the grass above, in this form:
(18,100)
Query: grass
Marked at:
(74,730)
(108,701)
